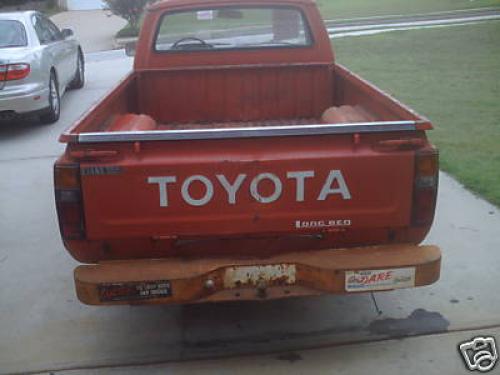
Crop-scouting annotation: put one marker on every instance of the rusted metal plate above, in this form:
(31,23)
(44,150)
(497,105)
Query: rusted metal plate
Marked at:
(235,277)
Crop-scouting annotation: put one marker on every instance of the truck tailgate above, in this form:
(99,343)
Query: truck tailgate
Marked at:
(205,188)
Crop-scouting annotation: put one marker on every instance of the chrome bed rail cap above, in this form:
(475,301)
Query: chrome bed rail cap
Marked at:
(252,132)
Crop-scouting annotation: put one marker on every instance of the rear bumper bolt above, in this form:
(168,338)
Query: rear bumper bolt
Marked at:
(209,284)
(261,288)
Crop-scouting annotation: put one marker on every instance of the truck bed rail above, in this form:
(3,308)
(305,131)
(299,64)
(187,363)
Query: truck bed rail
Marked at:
(253,132)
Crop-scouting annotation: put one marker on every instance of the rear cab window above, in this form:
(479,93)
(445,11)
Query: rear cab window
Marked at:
(228,28)
(12,34)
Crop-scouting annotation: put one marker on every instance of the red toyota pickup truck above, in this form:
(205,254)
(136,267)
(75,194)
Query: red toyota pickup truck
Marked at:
(239,161)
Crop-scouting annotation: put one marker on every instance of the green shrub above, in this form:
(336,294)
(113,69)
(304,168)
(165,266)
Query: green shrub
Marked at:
(130,10)
(128,32)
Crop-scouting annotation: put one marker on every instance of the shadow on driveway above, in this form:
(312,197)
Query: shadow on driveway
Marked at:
(10,129)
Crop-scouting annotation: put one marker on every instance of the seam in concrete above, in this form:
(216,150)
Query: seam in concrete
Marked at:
(31,158)
(272,352)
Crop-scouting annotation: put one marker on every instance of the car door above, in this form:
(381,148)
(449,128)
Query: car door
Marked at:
(53,53)
(69,48)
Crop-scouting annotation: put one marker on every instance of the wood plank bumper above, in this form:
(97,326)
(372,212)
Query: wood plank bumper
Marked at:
(182,281)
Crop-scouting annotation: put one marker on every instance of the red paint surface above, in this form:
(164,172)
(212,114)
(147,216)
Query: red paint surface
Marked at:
(123,218)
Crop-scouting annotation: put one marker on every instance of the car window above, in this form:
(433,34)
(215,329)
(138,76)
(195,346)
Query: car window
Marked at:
(42,32)
(54,30)
(46,31)
(12,34)
(232,28)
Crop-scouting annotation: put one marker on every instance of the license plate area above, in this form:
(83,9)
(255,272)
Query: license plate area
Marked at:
(251,276)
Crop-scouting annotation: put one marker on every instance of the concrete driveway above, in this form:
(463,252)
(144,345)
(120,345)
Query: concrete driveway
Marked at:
(95,29)
(44,328)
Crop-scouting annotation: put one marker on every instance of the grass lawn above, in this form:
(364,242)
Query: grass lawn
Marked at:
(340,9)
(451,75)
(365,8)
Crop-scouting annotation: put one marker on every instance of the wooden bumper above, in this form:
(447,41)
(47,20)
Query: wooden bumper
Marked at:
(182,281)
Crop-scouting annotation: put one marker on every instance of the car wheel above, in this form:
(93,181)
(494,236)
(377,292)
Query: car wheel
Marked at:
(79,80)
(54,109)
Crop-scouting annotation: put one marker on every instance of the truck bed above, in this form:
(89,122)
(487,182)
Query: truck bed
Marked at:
(188,100)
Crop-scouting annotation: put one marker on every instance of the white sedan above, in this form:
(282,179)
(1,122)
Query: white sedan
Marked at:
(38,63)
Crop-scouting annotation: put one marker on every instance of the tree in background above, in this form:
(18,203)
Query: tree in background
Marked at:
(130,10)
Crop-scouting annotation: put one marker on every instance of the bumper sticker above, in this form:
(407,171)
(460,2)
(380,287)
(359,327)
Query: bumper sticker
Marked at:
(134,291)
(371,280)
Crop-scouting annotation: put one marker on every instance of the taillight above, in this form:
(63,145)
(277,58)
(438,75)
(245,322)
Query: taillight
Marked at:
(69,201)
(14,72)
(426,186)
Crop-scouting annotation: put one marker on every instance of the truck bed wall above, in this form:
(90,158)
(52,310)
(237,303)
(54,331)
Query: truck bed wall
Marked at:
(121,100)
(236,93)
(257,93)
(352,90)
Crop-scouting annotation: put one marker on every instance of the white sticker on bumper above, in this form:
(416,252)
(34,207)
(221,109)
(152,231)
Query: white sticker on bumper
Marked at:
(372,280)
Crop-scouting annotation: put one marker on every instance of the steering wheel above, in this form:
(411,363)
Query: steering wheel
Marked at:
(190,38)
